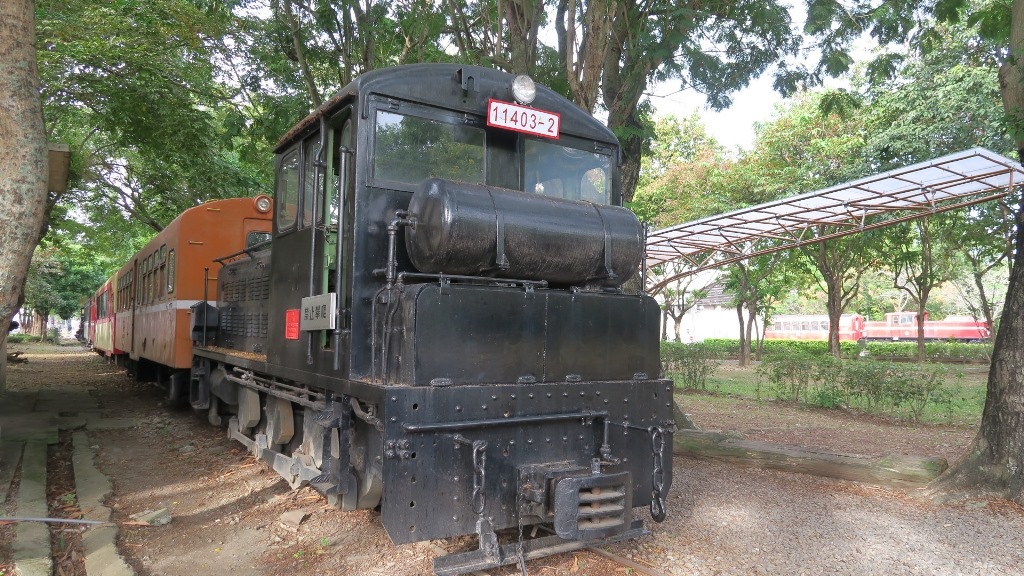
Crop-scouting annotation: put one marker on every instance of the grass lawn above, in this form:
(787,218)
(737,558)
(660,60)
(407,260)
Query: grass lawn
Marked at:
(961,393)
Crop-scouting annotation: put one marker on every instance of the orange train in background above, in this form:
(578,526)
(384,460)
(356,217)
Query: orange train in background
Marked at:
(141,316)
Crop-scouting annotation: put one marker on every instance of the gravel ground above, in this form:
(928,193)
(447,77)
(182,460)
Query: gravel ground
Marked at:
(722,519)
(729,520)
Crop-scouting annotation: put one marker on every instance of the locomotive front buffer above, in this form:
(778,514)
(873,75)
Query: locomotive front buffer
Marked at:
(527,462)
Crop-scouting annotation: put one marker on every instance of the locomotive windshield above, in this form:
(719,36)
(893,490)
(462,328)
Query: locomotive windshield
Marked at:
(563,172)
(411,149)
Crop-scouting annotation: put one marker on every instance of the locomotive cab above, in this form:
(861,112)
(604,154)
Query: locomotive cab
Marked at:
(447,336)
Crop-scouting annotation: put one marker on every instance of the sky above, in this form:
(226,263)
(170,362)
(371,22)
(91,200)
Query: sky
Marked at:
(732,127)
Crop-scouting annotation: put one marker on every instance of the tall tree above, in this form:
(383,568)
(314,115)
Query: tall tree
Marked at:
(679,179)
(993,462)
(715,48)
(946,99)
(921,261)
(23,165)
(133,89)
(60,276)
(805,149)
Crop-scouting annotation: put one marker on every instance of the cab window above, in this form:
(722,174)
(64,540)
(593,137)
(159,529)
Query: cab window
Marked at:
(287,204)
(411,149)
(313,181)
(566,172)
(256,238)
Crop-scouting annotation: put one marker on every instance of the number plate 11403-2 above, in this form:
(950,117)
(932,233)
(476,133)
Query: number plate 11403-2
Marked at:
(523,119)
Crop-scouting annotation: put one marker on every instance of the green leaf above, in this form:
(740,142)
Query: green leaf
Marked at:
(949,10)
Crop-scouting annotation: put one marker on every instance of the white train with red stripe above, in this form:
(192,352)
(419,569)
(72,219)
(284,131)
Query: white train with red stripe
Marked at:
(894,327)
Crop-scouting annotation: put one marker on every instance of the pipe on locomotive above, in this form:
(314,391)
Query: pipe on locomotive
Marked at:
(343,153)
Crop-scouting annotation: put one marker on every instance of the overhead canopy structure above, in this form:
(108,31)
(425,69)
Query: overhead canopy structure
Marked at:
(946,183)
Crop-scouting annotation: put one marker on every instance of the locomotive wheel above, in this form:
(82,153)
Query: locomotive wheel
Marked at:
(248,409)
(313,438)
(177,390)
(213,414)
(280,421)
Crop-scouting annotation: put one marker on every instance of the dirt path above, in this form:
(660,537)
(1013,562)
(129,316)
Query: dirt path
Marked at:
(227,508)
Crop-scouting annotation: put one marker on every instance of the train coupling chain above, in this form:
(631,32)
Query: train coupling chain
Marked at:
(658,512)
(479,447)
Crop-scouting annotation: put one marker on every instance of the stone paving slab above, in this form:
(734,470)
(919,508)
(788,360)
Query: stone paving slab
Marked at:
(10,457)
(92,487)
(31,547)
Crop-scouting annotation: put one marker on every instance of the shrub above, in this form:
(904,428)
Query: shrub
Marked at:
(896,389)
(730,347)
(21,338)
(935,351)
(722,347)
(694,363)
(789,375)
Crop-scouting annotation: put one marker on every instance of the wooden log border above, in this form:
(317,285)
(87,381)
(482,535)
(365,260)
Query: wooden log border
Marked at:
(892,470)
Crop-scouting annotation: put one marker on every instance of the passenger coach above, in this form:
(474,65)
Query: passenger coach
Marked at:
(142,313)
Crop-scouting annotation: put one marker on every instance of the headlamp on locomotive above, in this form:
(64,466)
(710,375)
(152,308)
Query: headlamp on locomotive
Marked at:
(440,328)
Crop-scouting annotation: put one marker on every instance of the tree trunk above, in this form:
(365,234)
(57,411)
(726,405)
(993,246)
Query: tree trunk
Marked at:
(921,315)
(993,464)
(523,18)
(1011,82)
(23,163)
(834,306)
(299,46)
(751,320)
(744,347)
(39,325)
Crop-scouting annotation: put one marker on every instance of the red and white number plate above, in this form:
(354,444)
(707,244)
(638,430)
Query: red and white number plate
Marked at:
(522,119)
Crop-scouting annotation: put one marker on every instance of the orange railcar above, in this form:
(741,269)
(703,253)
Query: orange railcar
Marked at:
(148,301)
(101,317)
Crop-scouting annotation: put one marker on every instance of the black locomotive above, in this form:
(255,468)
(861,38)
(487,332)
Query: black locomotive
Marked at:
(439,329)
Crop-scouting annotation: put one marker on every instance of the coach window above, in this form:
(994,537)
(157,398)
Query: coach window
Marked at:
(287,203)
(163,269)
(151,268)
(170,272)
(145,281)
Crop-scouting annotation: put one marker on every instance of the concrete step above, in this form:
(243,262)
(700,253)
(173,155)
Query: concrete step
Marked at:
(30,423)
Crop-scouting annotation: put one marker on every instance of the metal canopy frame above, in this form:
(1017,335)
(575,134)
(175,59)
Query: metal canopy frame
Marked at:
(946,183)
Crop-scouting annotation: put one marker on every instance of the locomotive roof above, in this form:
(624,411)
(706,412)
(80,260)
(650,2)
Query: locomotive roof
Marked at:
(442,85)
